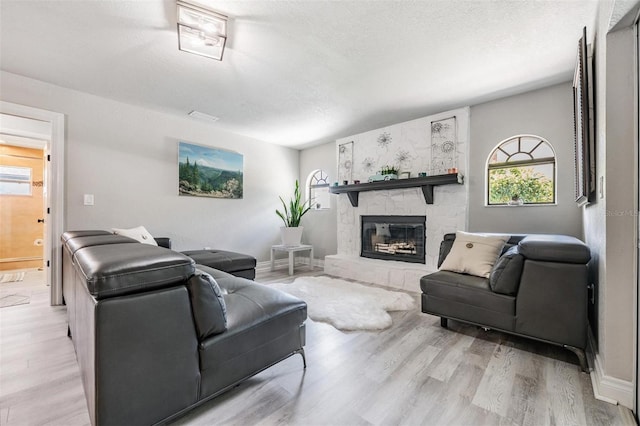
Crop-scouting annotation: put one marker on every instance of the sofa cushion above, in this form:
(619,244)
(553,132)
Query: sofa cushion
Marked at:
(474,254)
(139,233)
(467,290)
(85,233)
(117,269)
(505,275)
(75,244)
(209,308)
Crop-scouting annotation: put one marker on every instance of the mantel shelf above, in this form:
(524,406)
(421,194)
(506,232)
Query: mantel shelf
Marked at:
(426,183)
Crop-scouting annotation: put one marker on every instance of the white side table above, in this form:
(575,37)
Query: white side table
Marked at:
(291,250)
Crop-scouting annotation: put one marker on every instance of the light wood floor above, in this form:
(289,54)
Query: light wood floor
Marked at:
(413,373)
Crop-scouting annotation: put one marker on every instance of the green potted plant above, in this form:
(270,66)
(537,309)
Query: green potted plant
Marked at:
(291,232)
(389,172)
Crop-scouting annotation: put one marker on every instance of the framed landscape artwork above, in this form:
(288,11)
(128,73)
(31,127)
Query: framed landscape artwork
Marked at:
(209,172)
(585,153)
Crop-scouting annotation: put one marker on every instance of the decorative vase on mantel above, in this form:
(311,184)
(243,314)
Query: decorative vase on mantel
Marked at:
(291,236)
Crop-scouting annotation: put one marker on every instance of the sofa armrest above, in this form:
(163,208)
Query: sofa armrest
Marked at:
(555,248)
(552,302)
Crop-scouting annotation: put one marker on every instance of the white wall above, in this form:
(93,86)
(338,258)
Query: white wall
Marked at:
(547,113)
(127,157)
(320,225)
(610,223)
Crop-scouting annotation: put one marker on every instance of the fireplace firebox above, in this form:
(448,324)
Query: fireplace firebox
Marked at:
(400,238)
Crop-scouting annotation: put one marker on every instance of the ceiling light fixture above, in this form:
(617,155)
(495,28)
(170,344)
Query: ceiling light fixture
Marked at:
(201,31)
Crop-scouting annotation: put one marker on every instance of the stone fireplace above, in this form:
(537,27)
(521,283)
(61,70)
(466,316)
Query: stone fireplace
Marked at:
(398,238)
(413,143)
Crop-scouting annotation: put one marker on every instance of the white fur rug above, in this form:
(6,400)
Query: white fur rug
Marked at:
(347,305)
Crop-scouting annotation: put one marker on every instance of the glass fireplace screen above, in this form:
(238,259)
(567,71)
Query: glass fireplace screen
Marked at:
(400,238)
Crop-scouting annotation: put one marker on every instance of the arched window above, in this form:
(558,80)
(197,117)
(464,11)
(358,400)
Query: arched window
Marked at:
(318,190)
(521,170)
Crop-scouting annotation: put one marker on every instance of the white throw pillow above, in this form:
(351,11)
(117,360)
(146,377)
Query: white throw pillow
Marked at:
(474,254)
(140,234)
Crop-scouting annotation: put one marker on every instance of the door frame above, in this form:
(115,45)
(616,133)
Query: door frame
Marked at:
(636,390)
(55,173)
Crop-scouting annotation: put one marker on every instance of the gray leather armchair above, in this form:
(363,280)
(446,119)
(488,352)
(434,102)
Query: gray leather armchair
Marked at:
(537,289)
(156,335)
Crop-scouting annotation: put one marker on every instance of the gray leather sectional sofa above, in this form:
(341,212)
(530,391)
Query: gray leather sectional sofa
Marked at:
(156,335)
(537,289)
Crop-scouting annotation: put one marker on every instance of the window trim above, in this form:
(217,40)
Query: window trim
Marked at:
(534,161)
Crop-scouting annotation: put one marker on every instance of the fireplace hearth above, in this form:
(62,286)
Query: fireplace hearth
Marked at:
(399,238)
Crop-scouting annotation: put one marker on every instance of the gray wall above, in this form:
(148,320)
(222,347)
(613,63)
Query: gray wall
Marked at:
(127,157)
(320,226)
(547,113)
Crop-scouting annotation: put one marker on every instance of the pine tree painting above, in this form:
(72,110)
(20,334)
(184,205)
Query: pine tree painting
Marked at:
(209,172)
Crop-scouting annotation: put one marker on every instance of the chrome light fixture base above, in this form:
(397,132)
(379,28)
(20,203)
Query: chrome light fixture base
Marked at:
(201,31)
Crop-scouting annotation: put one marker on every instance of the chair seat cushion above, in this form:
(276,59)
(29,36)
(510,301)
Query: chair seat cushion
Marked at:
(468,290)
(264,326)
(256,315)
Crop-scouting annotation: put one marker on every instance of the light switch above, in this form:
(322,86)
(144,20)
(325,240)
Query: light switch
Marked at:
(88,199)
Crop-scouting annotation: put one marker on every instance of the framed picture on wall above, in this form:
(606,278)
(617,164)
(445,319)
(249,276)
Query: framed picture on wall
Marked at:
(205,171)
(584,137)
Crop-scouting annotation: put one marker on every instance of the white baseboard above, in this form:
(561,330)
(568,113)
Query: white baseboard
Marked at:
(607,388)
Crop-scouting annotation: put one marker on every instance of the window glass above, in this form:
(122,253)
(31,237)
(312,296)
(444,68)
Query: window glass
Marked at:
(510,147)
(521,170)
(544,150)
(528,144)
(520,156)
(15,180)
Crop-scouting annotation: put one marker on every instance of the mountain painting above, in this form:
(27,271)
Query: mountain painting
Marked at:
(209,172)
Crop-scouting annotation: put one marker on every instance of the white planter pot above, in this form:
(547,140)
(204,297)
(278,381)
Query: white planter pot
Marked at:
(291,236)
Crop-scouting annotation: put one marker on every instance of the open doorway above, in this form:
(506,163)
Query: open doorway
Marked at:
(31,132)
(22,195)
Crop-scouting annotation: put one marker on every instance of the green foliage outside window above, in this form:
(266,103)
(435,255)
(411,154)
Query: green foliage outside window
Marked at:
(524,182)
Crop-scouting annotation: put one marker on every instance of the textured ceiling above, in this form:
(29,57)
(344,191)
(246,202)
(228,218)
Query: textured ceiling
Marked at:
(297,73)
